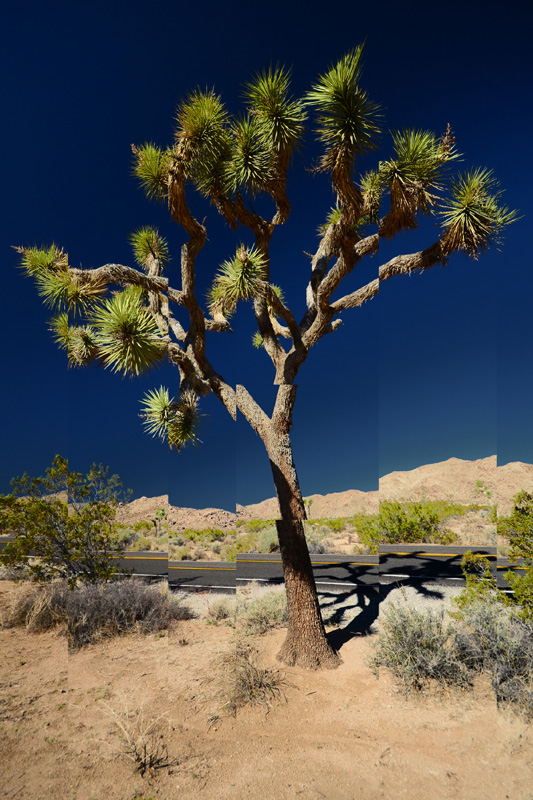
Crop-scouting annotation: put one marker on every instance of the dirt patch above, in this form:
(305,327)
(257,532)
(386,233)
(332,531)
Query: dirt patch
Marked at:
(340,734)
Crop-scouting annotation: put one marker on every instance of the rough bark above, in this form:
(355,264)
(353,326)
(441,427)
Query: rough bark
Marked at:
(306,644)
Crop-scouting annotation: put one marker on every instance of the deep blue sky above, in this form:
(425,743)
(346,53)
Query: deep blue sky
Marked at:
(438,365)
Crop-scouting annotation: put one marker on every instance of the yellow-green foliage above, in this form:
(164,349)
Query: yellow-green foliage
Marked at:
(409,522)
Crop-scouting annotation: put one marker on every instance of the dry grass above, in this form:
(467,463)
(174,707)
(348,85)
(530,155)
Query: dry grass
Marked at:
(142,738)
(93,612)
(242,682)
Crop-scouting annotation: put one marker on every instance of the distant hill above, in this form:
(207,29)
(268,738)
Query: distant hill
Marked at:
(454,479)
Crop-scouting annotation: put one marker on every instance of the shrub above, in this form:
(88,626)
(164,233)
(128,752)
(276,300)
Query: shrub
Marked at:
(518,529)
(142,527)
(36,607)
(126,537)
(267,541)
(221,610)
(419,647)
(142,543)
(245,683)
(408,523)
(92,612)
(64,523)
(255,525)
(262,613)
(491,640)
(415,647)
(318,546)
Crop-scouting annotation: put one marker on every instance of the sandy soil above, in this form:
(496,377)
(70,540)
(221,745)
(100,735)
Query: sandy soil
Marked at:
(340,735)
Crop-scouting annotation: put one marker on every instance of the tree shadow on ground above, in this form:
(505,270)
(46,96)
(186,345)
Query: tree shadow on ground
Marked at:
(369,601)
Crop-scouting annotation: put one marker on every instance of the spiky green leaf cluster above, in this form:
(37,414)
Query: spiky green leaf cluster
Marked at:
(203,140)
(240,278)
(279,117)
(150,166)
(59,289)
(257,340)
(372,191)
(414,176)
(173,421)
(79,342)
(251,165)
(126,334)
(36,260)
(83,346)
(148,244)
(60,330)
(347,119)
(472,217)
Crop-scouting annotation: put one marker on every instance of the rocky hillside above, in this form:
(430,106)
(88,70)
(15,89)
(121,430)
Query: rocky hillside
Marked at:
(454,479)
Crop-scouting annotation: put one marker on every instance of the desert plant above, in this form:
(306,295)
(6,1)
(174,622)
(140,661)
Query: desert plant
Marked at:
(92,612)
(221,609)
(517,528)
(267,541)
(142,739)
(408,523)
(492,640)
(64,522)
(480,582)
(260,614)
(243,682)
(229,161)
(415,647)
(420,647)
(36,607)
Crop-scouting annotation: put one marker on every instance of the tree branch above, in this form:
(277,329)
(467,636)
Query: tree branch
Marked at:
(251,411)
(424,259)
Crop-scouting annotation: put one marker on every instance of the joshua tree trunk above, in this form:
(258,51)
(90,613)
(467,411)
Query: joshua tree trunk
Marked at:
(306,644)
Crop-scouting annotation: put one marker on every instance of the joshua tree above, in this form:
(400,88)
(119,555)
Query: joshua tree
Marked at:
(230,160)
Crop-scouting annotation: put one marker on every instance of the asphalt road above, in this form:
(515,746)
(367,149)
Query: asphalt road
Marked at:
(395,564)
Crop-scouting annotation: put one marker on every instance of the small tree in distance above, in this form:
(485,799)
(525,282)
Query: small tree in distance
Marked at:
(65,521)
(229,161)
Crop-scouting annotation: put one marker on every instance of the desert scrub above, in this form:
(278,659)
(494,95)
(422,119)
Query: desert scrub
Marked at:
(421,647)
(36,607)
(262,613)
(417,648)
(142,739)
(255,525)
(222,609)
(93,612)
(267,541)
(243,682)
(408,523)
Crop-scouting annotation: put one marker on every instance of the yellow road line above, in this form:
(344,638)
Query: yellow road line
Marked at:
(446,555)
(140,558)
(208,569)
(315,563)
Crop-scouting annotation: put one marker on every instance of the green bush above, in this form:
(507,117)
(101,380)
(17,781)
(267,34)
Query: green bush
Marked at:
(267,541)
(207,535)
(126,537)
(255,525)
(407,523)
(518,529)
(63,524)
(142,527)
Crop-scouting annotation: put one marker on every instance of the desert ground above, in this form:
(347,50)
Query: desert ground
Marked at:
(66,720)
